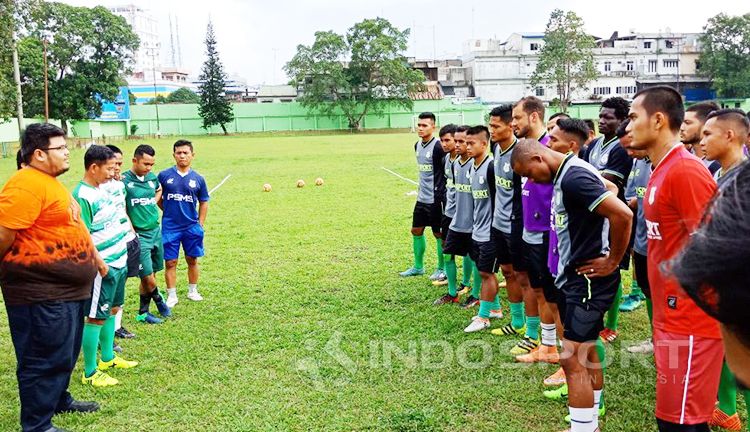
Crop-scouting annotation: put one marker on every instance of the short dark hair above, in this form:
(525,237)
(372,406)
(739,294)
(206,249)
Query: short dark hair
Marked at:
(19,159)
(182,143)
(703,109)
(524,149)
(448,129)
(590,124)
(36,137)
(531,104)
(143,149)
(736,116)
(712,268)
(664,99)
(97,154)
(115,149)
(619,105)
(621,132)
(558,114)
(575,127)
(478,130)
(462,128)
(503,112)
(427,115)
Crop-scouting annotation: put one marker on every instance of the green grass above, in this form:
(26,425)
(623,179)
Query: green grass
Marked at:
(292,274)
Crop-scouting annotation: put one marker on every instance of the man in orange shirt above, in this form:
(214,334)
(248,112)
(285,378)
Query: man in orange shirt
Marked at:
(46,273)
(687,342)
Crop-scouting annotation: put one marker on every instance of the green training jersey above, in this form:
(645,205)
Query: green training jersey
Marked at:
(99,213)
(140,194)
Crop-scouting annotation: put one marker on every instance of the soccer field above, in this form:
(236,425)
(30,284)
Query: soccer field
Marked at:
(307,325)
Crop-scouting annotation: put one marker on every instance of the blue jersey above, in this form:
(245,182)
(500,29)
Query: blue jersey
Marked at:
(181,195)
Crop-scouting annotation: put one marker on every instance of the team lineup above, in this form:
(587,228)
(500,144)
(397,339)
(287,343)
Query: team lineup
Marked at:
(560,213)
(555,210)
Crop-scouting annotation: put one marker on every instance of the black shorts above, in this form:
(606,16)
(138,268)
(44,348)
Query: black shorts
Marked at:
(640,262)
(536,257)
(586,301)
(510,248)
(457,243)
(445,224)
(134,257)
(427,215)
(484,255)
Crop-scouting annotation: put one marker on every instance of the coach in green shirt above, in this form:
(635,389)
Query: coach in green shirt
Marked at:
(142,191)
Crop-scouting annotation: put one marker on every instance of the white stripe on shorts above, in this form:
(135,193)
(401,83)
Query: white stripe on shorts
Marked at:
(687,381)
(95,293)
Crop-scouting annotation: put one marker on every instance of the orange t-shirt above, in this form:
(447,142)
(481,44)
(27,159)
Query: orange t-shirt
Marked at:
(52,257)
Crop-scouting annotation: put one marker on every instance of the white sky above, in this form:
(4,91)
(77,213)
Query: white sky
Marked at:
(256,37)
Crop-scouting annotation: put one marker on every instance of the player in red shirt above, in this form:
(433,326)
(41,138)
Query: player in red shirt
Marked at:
(687,342)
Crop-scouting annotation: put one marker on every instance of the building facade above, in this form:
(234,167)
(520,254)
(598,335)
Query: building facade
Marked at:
(502,70)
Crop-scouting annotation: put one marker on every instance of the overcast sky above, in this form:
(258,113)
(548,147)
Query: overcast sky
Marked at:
(256,38)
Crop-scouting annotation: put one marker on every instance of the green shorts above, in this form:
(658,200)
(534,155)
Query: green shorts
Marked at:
(108,292)
(152,252)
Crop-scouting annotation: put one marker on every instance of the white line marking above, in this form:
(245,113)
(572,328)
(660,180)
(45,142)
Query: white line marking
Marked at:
(400,176)
(219,185)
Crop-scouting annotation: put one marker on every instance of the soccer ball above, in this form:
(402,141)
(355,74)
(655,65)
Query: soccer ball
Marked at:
(266,187)
(300,183)
(318,181)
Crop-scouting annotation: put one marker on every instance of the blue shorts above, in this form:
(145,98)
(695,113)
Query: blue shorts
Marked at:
(190,238)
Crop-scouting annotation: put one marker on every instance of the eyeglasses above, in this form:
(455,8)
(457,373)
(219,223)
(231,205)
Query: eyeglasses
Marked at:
(62,147)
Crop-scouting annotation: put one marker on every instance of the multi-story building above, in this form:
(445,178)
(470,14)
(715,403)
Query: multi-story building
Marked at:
(502,70)
(146,27)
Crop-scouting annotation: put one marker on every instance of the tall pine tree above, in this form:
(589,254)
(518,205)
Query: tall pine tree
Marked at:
(213,108)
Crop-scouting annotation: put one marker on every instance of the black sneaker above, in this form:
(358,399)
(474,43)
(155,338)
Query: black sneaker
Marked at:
(80,407)
(446,299)
(116,348)
(470,302)
(123,333)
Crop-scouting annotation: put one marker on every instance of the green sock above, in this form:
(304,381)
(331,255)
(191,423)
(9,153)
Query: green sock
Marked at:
(727,391)
(419,244)
(484,308)
(613,314)
(532,327)
(747,404)
(516,315)
(496,303)
(650,310)
(450,272)
(440,256)
(476,284)
(635,289)
(107,339)
(467,268)
(90,346)
(602,351)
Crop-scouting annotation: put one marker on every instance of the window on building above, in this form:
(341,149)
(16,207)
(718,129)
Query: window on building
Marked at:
(478,43)
(669,44)
(601,91)
(534,47)
(539,91)
(697,65)
(647,45)
(652,65)
(671,63)
(618,90)
(630,66)
(607,66)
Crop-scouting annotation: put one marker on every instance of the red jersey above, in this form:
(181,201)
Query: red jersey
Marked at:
(678,191)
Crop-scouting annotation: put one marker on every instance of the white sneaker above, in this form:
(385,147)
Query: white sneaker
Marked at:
(494,314)
(195,296)
(172,300)
(645,347)
(477,324)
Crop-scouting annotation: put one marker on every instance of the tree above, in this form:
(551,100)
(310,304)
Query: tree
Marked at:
(88,51)
(7,88)
(214,108)
(376,75)
(566,60)
(726,54)
(183,96)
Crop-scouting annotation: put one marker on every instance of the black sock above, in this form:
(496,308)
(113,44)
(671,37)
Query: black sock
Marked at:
(665,426)
(145,300)
(155,296)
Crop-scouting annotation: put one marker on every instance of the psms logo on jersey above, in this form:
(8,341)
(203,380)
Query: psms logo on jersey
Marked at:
(192,184)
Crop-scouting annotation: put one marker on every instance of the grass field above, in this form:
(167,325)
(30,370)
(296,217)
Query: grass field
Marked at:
(306,324)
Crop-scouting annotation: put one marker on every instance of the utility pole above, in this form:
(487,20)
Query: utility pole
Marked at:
(17,77)
(156,101)
(46,84)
